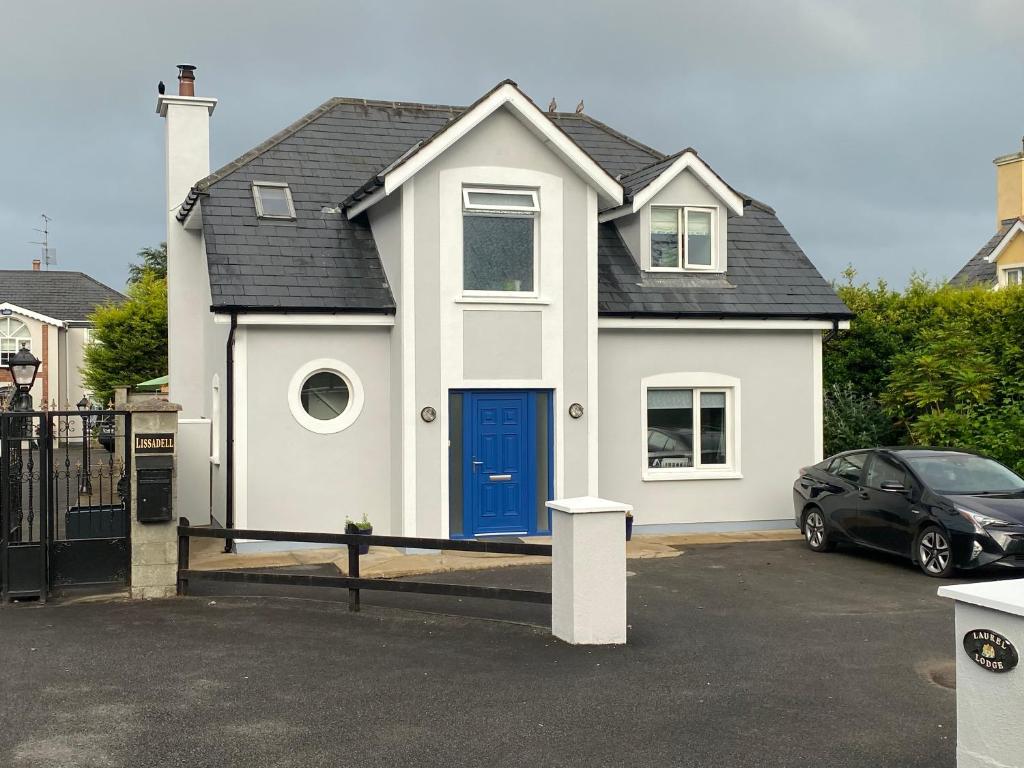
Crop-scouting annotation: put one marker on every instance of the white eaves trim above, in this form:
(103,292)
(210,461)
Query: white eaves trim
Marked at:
(7,307)
(1007,238)
(307,318)
(367,202)
(504,95)
(689,160)
(732,324)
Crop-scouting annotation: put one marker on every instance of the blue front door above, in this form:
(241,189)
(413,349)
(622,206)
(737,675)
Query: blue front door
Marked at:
(500,471)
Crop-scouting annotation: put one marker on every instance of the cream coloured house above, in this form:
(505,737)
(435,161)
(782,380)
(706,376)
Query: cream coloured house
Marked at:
(48,312)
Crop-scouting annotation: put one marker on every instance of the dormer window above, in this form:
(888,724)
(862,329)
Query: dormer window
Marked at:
(682,238)
(273,200)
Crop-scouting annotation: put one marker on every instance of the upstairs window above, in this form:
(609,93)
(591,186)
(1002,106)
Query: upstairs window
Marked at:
(499,241)
(273,200)
(1014,276)
(682,238)
(14,335)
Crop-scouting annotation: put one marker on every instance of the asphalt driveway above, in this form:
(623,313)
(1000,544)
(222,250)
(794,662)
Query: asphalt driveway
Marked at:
(758,654)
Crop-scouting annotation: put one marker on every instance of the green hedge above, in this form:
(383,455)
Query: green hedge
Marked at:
(941,365)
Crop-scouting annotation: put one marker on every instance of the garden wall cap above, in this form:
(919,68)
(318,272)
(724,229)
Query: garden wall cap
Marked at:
(1005,596)
(151,405)
(580,505)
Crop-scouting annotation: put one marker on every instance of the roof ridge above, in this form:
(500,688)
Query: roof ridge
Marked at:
(617,134)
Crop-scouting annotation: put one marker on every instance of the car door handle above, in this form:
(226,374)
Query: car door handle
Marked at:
(864,495)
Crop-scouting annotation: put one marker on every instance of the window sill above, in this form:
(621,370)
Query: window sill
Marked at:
(692,474)
(536,300)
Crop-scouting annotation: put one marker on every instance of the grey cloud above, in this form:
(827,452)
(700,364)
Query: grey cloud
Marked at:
(870,126)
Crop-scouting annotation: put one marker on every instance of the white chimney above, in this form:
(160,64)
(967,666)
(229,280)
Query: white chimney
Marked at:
(187,124)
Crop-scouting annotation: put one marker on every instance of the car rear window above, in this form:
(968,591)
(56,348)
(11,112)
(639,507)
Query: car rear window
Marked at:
(848,467)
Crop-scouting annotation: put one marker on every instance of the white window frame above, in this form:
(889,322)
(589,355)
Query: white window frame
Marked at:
(517,211)
(355,396)
(698,382)
(20,341)
(215,420)
(1017,270)
(682,218)
(257,185)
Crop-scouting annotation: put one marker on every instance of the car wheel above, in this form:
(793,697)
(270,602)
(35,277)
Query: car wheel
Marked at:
(934,554)
(815,531)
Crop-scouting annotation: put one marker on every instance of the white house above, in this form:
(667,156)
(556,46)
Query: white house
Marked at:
(48,312)
(444,316)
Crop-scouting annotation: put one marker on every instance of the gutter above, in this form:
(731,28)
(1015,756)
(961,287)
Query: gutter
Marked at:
(830,334)
(229,459)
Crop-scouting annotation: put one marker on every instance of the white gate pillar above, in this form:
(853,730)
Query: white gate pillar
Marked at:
(989,689)
(588,570)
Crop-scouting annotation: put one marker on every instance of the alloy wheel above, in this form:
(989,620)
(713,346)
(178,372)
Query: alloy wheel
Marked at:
(933,552)
(814,529)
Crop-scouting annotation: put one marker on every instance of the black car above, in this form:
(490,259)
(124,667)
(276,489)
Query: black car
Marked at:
(944,509)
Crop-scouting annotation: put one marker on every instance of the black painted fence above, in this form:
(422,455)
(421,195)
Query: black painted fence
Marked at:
(353,582)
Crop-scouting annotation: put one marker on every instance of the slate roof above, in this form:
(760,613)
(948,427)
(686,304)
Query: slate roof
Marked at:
(325,262)
(978,271)
(767,275)
(67,296)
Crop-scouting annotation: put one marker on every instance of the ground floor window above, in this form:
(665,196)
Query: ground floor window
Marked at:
(689,425)
(325,396)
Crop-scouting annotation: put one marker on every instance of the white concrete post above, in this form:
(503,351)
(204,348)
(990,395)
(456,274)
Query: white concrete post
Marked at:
(588,570)
(989,695)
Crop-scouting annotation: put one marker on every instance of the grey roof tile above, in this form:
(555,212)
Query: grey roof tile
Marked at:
(980,271)
(327,262)
(67,296)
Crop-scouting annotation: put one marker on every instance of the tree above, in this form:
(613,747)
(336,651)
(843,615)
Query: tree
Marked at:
(129,340)
(154,262)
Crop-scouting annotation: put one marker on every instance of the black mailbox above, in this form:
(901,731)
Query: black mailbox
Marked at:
(153,474)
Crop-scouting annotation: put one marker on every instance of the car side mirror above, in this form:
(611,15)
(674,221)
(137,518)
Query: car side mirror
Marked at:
(891,486)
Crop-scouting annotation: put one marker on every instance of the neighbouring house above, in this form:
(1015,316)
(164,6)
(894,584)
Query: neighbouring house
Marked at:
(444,316)
(48,312)
(1000,261)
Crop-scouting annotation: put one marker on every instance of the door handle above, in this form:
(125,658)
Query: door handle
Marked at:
(476,464)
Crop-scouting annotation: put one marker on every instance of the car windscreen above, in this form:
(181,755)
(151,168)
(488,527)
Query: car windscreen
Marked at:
(962,473)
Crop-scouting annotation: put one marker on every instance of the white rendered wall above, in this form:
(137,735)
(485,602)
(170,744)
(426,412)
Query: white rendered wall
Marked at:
(187,132)
(778,424)
(501,151)
(295,479)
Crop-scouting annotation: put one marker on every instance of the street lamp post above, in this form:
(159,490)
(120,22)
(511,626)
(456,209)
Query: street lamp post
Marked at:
(22,367)
(85,484)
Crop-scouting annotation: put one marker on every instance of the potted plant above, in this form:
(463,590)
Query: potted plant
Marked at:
(363,527)
(629,526)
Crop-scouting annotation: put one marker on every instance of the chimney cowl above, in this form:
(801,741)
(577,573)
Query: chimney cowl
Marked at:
(186,80)
(36,264)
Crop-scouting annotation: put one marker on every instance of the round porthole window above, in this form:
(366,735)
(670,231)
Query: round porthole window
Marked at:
(325,396)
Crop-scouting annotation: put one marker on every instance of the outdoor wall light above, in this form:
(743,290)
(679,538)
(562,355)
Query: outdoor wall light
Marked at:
(576,410)
(428,414)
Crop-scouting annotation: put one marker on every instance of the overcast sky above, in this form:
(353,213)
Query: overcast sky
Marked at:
(869,126)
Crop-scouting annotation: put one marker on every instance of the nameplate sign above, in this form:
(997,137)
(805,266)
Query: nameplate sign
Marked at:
(990,650)
(160,442)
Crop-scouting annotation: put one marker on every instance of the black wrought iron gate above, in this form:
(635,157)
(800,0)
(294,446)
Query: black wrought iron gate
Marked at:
(63,501)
